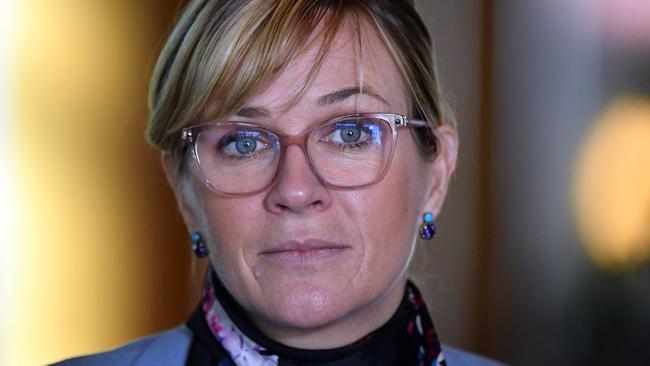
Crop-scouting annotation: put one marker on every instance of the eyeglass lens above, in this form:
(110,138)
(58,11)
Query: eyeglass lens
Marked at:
(239,158)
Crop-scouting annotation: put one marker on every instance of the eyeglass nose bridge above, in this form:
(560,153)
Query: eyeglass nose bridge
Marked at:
(301,142)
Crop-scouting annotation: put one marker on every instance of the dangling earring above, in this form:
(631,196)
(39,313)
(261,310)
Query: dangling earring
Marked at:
(198,246)
(428,227)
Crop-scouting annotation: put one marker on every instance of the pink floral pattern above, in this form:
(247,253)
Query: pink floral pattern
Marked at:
(245,352)
(242,350)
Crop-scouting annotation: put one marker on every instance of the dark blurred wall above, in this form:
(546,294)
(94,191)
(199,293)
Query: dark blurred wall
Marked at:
(560,293)
(544,249)
(449,274)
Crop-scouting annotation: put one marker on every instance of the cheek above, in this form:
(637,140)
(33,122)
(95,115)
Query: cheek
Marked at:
(227,222)
(403,187)
(229,218)
(224,218)
(387,215)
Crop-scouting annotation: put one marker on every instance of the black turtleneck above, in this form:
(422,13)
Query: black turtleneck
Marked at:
(400,341)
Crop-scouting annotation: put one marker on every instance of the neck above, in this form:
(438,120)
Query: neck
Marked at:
(343,331)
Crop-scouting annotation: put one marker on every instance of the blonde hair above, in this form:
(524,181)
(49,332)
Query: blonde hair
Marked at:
(228,50)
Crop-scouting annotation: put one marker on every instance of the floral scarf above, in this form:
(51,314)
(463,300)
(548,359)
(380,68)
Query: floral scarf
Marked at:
(224,336)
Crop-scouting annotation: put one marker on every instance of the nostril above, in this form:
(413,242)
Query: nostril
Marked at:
(297,188)
(285,207)
(282,207)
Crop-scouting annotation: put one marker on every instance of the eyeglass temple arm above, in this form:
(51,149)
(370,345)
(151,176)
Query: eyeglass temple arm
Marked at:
(187,136)
(405,121)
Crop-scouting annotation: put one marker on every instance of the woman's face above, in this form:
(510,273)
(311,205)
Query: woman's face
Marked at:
(300,255)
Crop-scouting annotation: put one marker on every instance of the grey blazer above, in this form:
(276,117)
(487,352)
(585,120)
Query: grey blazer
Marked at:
(170,348)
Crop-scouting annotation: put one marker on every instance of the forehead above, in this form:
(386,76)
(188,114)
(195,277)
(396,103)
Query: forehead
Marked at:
(356,58)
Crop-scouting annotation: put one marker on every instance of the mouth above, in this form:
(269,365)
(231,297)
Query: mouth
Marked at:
(300,253)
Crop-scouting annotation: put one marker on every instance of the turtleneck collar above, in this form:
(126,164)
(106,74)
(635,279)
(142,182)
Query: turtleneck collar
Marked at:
(223,335)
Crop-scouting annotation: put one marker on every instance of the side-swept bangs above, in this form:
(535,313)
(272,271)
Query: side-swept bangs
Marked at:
(224,52)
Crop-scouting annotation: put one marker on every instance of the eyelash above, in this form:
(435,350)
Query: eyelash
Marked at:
(353,146)
(232,137)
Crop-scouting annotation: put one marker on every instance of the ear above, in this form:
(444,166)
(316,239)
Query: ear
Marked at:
(442,168)
(170,166)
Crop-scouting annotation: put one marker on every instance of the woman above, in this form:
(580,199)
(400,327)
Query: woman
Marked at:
(306,144)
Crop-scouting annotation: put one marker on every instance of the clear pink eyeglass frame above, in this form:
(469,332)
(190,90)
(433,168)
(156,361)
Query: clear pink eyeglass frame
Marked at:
(396,121)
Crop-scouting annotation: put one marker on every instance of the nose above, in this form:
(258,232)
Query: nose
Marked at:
(297,189)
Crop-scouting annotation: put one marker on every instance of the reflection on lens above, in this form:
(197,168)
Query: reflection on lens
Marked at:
(237,159)
(351,152)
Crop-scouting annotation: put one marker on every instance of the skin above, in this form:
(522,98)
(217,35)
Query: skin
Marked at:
(322,298)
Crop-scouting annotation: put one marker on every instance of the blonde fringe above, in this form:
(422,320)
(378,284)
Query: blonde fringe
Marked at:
(222,53)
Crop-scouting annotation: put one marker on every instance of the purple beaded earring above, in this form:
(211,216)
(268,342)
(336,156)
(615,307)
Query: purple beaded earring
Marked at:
(428,227)
(198,246)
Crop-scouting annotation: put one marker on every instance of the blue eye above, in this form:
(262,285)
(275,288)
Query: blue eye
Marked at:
(242,144)
(245,146)
(356,135)
(350,133)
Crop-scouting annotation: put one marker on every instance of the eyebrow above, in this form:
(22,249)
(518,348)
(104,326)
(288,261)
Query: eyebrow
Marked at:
(252,112)
(343,94)
(325,100)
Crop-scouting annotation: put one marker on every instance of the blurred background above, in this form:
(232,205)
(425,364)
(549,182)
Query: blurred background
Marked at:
(543,255)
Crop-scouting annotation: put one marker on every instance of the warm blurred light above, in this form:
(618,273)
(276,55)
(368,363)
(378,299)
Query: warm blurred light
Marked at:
(612,186)
(7,186)
(91,249)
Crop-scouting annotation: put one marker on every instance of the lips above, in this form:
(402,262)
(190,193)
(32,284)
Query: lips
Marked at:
(303,252)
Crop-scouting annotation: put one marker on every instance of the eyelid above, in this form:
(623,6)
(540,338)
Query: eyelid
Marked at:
(315,122)
(227,138)
(267,126)
(334,127)
(265,142)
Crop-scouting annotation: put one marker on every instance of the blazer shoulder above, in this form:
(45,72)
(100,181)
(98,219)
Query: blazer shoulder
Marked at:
(168,348)
(457,357)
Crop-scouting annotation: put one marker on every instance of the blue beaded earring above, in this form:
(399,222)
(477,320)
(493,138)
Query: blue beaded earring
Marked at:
(428,227)
(198,246)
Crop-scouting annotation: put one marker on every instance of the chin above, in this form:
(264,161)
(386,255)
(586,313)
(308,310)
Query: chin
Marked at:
(308,305)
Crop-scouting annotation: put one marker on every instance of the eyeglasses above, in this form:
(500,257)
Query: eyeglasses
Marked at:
(351,151)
